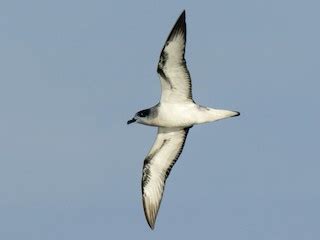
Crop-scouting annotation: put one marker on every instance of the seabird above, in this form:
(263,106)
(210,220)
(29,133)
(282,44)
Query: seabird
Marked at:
(174,115)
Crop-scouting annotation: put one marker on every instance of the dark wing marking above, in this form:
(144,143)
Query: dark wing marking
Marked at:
(172,68)
(157,166)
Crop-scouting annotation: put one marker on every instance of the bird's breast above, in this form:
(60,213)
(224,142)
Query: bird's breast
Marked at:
(175,115)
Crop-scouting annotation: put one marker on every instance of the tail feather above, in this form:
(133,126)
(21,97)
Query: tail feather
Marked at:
(211,114)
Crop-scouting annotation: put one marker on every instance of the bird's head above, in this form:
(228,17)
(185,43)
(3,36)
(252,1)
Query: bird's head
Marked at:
(141,117)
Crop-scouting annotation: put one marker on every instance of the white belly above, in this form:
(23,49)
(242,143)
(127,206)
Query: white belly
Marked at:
(187,114)
(176,115)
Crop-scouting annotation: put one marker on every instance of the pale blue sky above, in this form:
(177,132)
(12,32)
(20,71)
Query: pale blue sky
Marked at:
(73,72)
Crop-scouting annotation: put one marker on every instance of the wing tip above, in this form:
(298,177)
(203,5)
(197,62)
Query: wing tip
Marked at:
(183,14)
(150,213)
(179,27)
(151,224)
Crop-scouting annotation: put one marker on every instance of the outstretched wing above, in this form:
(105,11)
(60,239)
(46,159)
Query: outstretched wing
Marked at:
(172,68)
(157,166)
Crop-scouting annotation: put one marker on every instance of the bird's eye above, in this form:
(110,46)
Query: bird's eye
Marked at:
(144,113)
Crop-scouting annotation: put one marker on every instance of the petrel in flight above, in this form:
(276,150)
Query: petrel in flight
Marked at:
(174,115)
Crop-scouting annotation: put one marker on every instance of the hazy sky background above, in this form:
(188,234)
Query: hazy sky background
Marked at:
(73,72)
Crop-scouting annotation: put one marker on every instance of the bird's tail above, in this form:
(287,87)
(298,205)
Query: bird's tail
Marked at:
(211,114)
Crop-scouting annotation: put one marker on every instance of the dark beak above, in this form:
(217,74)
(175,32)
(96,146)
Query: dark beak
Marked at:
(131,121)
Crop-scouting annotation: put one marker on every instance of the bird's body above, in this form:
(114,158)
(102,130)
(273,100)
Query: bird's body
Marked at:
(174,115)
